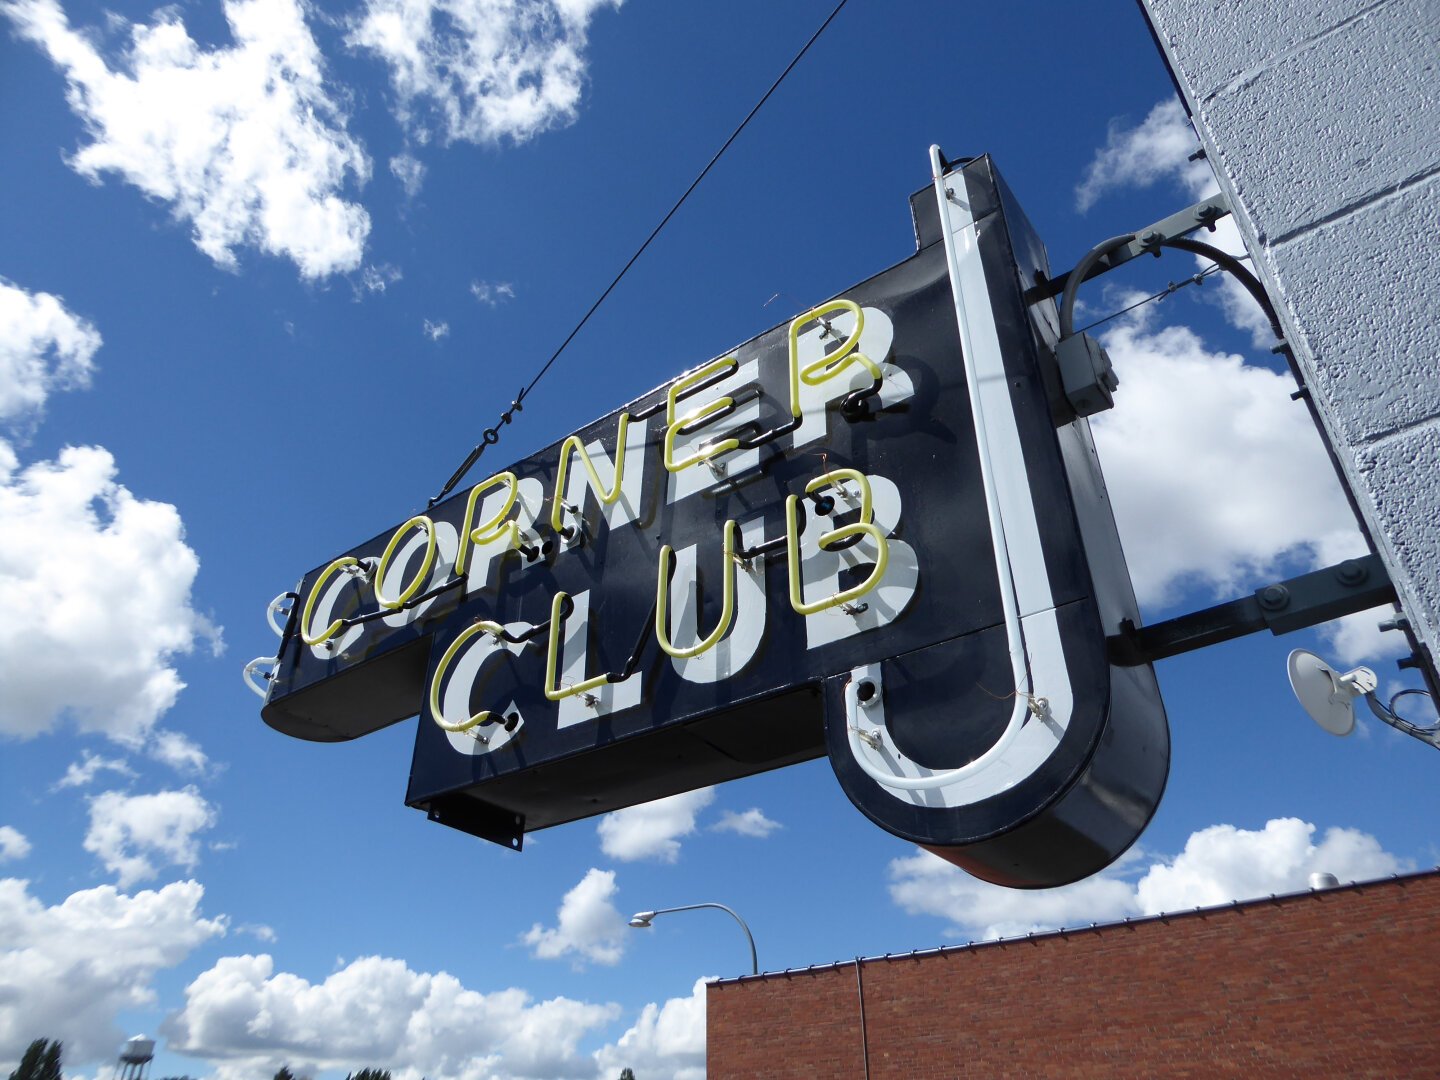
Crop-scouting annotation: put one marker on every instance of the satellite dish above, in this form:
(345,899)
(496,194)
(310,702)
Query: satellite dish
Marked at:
(1328,696)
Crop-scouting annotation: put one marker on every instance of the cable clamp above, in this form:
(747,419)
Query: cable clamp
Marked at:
(871,739)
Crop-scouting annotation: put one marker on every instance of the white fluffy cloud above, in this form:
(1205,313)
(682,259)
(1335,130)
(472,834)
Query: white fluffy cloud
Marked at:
(135,834)
(376,1011)
(1357,639)
(667,1042)
(1223,863)
(43,347)
(483,70)
(587,926)
(1219,864)
(492,293)
(925,884)
(13,843)
(1218,479)
(178,751)
(1157,149)
(376,279)
(434,330)
(94,583)
(82,773)
(95,587)
(67,970)
(1215,473)
(408,169)
(244,143)
(752,822)
(651,830)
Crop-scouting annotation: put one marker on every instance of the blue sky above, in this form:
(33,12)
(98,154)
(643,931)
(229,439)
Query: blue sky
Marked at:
(270,270)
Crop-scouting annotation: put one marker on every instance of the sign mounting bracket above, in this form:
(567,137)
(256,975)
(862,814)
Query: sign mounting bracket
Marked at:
(1316,597)
(1204,214)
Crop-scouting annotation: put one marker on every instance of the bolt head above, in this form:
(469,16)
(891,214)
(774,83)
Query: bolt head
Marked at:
(1351,572)
(1274,597)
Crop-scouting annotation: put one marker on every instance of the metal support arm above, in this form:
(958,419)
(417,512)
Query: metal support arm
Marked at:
(1350,586)
(1203,215)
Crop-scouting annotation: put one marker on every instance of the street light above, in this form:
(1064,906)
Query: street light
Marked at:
(641,921)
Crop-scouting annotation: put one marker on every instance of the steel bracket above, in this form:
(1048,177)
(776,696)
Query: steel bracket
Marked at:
(1343,589)
(1203,215)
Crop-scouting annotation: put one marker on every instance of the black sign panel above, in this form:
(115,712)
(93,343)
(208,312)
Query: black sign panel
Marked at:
(839,538)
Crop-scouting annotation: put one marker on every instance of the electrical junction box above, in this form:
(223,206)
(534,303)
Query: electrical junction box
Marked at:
(1087,375)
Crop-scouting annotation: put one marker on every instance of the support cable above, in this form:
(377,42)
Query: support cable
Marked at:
(492,435)
(1169,290)
(1236,270)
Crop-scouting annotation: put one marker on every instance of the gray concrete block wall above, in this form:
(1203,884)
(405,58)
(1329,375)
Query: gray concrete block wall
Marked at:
(1407,514)
(1362,280)
(1322,120)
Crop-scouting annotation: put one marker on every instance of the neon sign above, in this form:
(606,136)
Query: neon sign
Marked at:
(875,532)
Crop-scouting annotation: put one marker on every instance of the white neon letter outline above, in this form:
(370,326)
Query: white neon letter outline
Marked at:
(1014,632)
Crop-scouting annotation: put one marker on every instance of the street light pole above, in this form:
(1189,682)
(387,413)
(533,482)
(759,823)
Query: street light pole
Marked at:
(641,921)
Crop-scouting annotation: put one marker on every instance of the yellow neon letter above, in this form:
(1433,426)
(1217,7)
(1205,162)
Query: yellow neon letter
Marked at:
(573,443)
(831,364)
(335,627)
(865,526)
(444,666)
(727,606)
(496,526)
(419,579)
(557,624)
(697,416)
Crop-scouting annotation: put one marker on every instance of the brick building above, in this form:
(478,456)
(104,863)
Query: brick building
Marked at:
(1336,982)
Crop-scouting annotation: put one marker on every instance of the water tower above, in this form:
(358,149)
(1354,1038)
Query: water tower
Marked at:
(135,1057)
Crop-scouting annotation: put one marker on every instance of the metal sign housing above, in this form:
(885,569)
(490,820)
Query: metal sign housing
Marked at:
(877,532)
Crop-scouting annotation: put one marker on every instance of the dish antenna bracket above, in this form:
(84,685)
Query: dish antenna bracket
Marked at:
(1329,697)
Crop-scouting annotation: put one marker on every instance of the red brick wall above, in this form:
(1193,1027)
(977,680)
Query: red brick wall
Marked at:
(1335,983)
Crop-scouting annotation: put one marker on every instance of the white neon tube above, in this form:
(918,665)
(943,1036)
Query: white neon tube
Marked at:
(1014,632)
